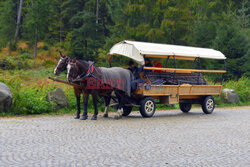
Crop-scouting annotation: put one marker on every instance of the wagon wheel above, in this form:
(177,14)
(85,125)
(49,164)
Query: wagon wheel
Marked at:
(127,110)
(185,107)
(147,107)
(208,105)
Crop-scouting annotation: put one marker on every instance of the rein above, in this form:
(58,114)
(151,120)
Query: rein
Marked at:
(88,74)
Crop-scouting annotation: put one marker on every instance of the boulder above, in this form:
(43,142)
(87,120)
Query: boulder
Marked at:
(5,97)
(230,96)
(58,97)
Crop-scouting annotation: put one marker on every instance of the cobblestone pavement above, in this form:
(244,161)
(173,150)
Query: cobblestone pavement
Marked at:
(170,138)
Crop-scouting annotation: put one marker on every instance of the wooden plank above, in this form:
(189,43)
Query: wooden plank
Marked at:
(189,97)
(177,90)
(184,70)
(173,100)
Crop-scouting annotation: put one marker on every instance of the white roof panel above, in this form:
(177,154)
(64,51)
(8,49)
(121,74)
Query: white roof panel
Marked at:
(136,51)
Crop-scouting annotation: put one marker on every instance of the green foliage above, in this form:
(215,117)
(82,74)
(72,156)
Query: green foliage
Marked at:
(25,56)
(86,35)
(7,22)
(242,88)
(234,45)
(75,26)
(26,100)
(36,20)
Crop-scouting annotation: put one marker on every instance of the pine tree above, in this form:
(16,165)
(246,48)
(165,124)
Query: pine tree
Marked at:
(36,21)
(7,22)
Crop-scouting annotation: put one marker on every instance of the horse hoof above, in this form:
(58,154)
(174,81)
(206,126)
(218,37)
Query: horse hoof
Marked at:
(84,117)
(94,117)
(105,115)
(77,117)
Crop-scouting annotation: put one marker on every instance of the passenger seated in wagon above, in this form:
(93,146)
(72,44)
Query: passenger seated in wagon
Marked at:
(136,75)
(157,64)
(139,80)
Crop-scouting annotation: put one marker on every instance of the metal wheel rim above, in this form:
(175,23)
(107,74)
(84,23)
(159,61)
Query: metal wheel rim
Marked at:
(210,104)
(149,107)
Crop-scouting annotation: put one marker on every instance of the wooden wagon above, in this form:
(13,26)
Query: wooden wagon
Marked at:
(180,92)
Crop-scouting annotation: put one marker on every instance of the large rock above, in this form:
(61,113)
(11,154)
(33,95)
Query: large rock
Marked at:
(58,97)
(5,97)
(230,96)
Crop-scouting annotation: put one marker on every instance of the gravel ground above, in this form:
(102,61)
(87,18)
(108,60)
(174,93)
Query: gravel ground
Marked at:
(170,138)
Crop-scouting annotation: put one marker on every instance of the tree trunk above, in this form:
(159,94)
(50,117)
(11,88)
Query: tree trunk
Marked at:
(18,22)
(10,47)
(60,33)
(97,11)
(35,48)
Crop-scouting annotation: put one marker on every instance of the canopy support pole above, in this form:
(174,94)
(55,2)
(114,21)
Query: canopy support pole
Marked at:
(194,63)
(223,75)
(175,68)
(174,62)
(167,62)
(199,76)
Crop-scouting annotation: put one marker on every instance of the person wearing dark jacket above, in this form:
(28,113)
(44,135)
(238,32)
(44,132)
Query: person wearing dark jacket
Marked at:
(136,76)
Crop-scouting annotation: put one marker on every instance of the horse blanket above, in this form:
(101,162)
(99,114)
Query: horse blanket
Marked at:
(117,78)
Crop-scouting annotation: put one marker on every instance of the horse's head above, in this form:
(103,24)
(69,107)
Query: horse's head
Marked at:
(62,64)
(72,70)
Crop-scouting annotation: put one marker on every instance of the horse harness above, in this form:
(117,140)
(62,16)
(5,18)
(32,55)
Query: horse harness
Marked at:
(89,73)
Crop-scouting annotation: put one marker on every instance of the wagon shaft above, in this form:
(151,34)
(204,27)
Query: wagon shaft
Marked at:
(62,81)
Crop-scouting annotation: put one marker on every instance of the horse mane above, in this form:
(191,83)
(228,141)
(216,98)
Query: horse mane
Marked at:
(84,65)
(82,61)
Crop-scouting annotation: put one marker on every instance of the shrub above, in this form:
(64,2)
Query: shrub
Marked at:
(242,87)
(45,47)
(25,56)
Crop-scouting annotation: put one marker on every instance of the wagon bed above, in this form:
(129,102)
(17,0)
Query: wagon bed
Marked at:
(173,94)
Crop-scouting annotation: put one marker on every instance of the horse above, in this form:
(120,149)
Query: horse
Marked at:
(100,81)
(62,66)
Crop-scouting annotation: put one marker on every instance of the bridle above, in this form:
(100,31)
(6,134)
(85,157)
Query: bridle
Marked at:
(65,62)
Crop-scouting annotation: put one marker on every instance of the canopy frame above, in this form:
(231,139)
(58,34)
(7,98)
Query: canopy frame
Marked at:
(137,51)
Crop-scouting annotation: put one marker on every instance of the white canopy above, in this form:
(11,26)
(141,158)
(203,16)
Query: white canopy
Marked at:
(137,51)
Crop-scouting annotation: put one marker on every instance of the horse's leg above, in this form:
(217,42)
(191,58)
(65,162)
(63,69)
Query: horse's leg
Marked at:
(85,102)
(119,108)
(78,99)
(94,97)
(107,102)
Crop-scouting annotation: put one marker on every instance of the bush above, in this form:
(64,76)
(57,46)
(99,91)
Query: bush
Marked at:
(45,47)
(28,99)
(242,88)
(25,56)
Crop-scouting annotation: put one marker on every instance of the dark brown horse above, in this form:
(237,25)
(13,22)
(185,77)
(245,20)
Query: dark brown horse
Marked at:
(92,81)
(62,66)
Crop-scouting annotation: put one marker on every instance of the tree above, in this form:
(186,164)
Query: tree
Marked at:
(18,22)
(86,35)
(7,22)
(36,21)
(235,46)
